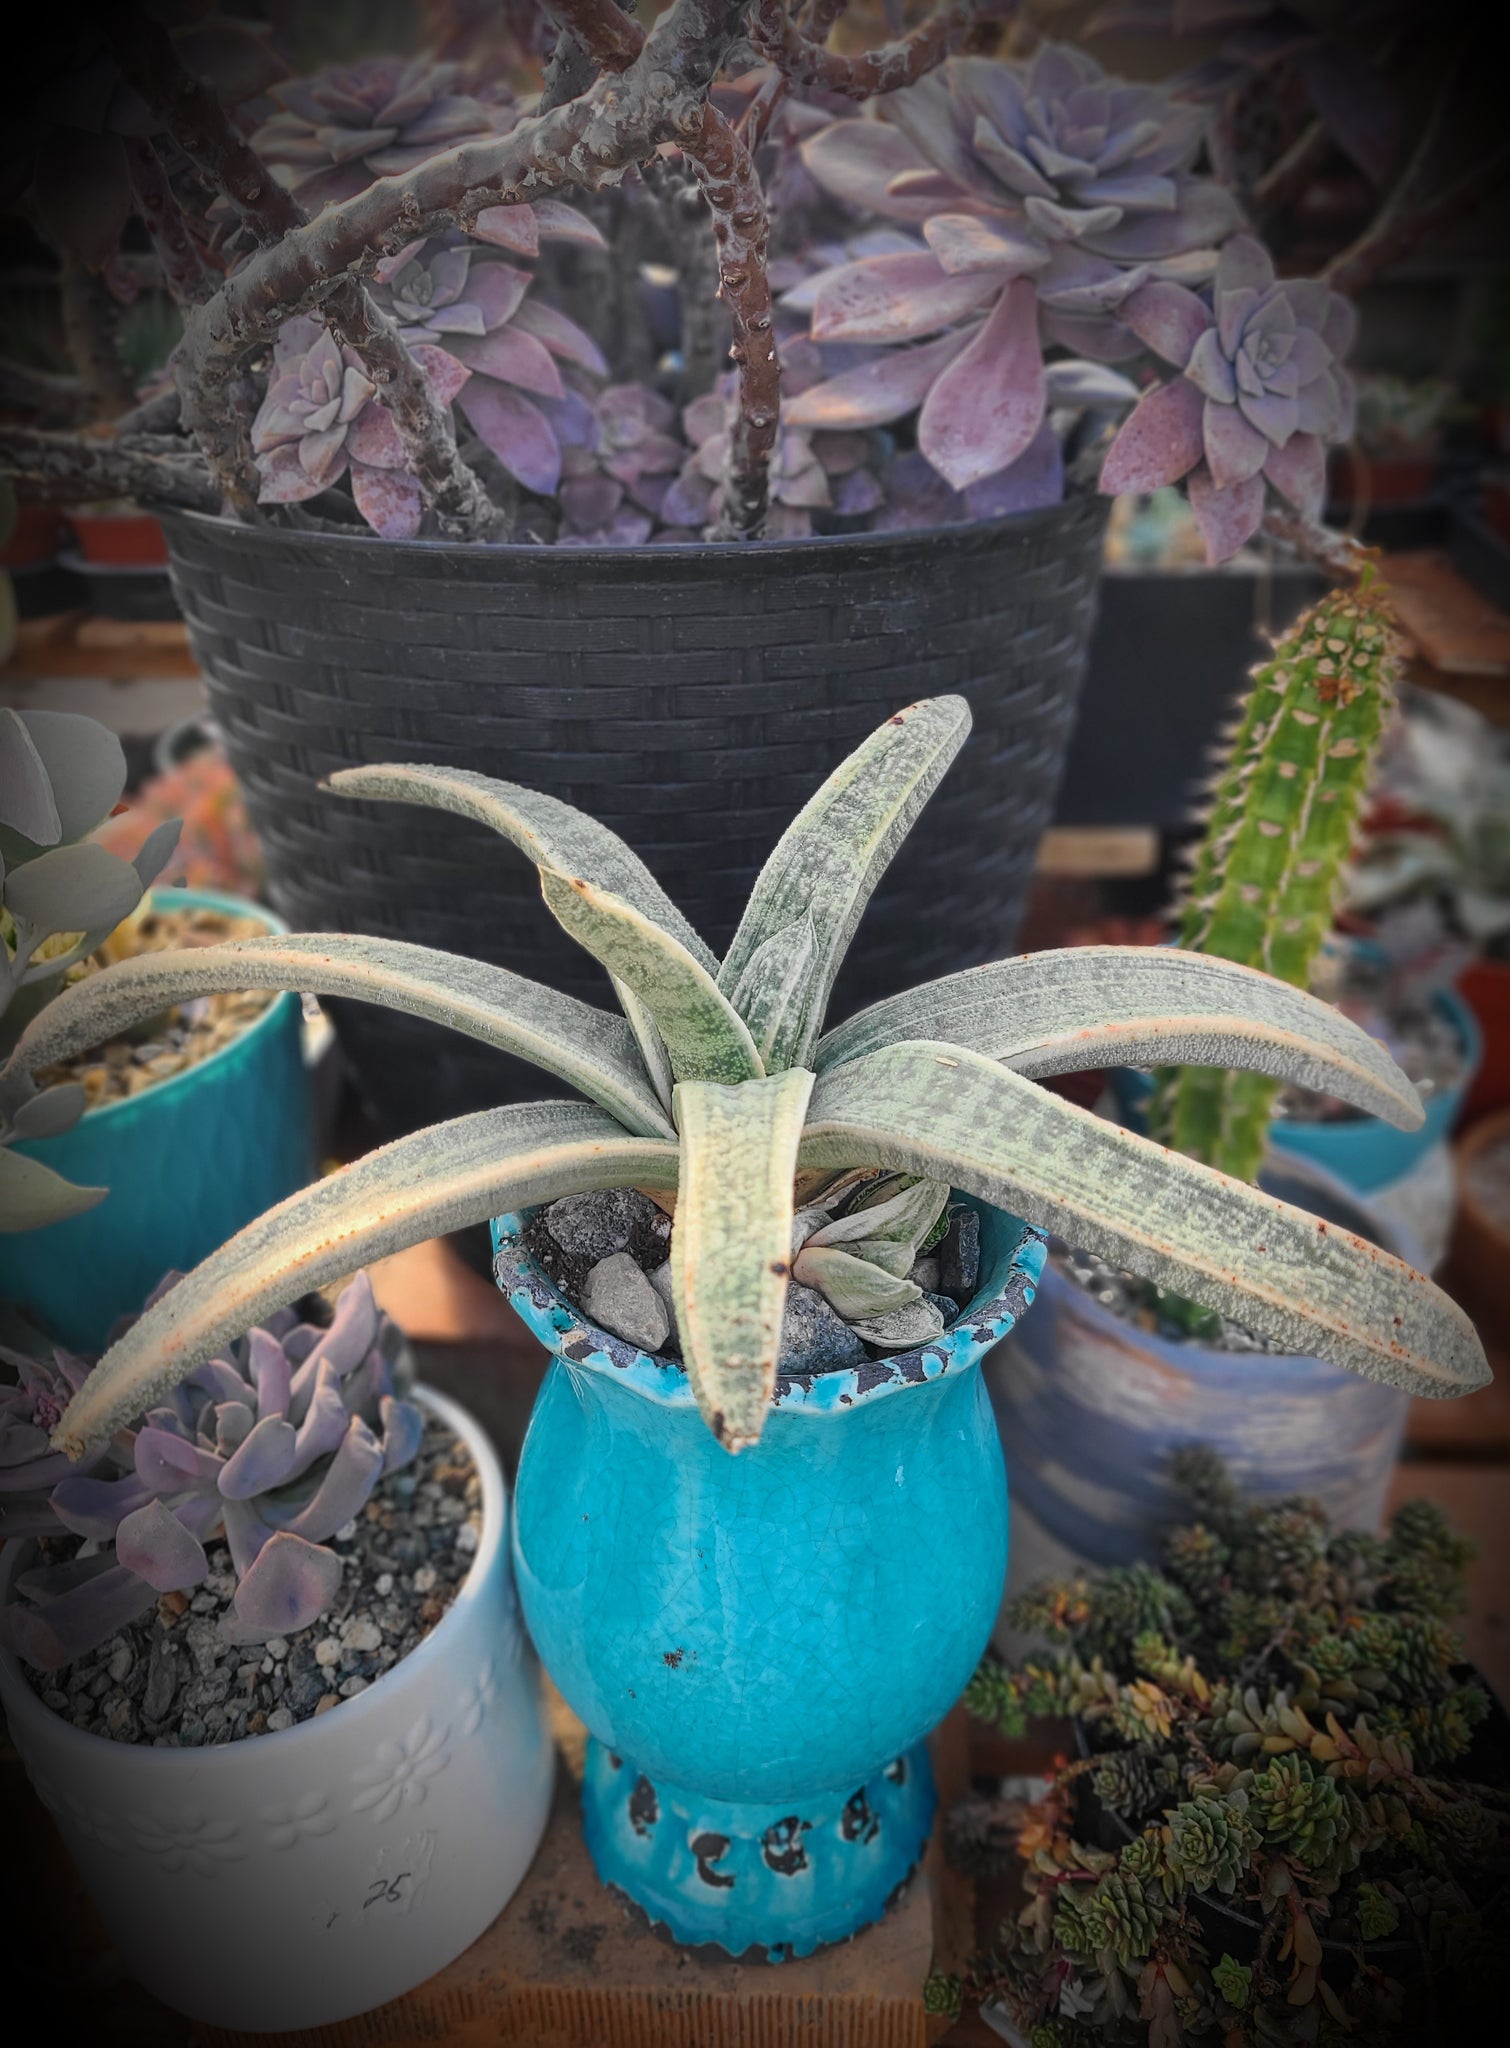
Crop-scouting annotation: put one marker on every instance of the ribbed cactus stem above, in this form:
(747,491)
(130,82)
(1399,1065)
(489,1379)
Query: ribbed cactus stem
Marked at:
(1266,876)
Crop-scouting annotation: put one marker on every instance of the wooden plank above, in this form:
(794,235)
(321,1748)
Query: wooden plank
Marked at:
(75,646)
(1454,628)
(1098,851)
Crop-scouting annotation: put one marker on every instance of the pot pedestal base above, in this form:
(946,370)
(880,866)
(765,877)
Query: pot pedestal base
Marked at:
(780,1878)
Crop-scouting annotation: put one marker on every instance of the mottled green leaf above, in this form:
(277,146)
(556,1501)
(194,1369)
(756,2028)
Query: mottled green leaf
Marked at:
(705,1036)
(548,832)
(1063,1011)
(652,1046)
(591,1049)
(942,1110)
(732,1244)
(849,1283)
(437,1180)
(772,978)
(830,858)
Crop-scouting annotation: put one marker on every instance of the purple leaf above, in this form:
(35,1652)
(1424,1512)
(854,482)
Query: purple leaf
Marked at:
(877,392)
(498,290)
(514,358)
(561,336)
(1275,415)
(986,407)
(1357,104)
(563,223)
(344,1490)
(1227,518)
(403,1427)
(265,1460)
(50,1637)
(590,501)
(964,242)
(517,432)
(271,1374)
(245,1533)
(285,481)
(167,1464)
(1234,450)
(1299,471)
(390,500)
(1206,215)
(1158,443)
(155,1545)
(1209,370)
(857,160)
(896,298)
(1103,340)
(443,373)
(352,1333)
(291,1584)
(95,1508)
(509,227)
(1168,318)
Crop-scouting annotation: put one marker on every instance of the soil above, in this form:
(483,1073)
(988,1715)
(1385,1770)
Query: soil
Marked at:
(172,1681)
(165,1045)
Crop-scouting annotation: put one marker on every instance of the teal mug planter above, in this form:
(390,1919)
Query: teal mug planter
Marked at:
(759,1643)
(188,1163)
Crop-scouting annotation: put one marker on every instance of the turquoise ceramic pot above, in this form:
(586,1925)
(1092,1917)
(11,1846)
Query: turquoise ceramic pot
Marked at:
(759,1643)
(188,1164)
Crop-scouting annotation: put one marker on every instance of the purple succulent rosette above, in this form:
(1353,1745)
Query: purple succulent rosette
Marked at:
(453,296)
(30,1411)
(619,455)
(321,421)
(1047,195)
(1263,390)
(811,472)
(275,1447)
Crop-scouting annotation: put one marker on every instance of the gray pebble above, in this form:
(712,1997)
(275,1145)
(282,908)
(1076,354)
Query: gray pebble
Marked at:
(361,1635)
(277,1649)
(350,1687)
(279,1719)
(121,1660)
(618,1297)
(595,1226)
(162,1680)
(959,1256)
(327,1651)
(466,1539)
(813,1337)
(925,1274)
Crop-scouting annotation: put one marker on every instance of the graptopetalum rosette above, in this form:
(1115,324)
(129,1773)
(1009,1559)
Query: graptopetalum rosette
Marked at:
(271,1446)
(718,1088)
(1060,208)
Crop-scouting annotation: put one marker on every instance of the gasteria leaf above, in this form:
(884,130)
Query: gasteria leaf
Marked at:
(731,1248)
(831,856)
(422,1186)
(938,1109)
(1065,1010)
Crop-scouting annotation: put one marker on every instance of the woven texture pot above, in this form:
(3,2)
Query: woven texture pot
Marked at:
(691,698)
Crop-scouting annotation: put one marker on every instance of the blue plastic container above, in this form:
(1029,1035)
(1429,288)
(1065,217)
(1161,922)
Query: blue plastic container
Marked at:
(188,1164)
(760,1642)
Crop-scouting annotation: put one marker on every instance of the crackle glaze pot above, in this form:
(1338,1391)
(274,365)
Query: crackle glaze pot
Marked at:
(294,1879)
(759,1643)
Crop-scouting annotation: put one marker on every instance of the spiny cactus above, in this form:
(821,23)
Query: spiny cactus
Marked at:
(719,1083)
(1268,871)
(276,1446)
(61,896)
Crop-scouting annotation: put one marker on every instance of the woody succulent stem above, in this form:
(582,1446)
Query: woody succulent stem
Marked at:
(800,54)
(1267,872)
(89,329)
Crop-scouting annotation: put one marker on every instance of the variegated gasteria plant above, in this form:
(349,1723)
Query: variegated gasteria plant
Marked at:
(719,1090)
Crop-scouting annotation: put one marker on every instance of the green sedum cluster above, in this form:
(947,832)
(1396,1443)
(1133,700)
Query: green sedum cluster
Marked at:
(1277,1724)
(1269,869)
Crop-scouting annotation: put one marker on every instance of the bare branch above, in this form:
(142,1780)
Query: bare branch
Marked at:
(601,30)
(588,142)
(201,128)
(57,400)
(1401,226)
(1289,175)
(188,278)
(74,468)
(777,36)
(742,231)
(1338,556)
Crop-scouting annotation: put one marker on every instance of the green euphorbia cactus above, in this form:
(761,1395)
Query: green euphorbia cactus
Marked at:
(719,1088)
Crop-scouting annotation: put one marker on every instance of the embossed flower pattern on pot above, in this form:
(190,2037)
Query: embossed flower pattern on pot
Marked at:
(400,1771)
(187,1840)
(308,1816)
(477,1699)
(93,1823)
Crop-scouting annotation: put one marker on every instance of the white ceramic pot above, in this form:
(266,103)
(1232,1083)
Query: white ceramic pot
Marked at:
(293,1879)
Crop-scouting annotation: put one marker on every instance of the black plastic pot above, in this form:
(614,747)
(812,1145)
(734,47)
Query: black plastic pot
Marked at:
(691,698)
(1171,651)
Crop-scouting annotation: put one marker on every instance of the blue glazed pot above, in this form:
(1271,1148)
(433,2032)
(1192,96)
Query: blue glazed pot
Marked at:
(188,1163)
(759,1643)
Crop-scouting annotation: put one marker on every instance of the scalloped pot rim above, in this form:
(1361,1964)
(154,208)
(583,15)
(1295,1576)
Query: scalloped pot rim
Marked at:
(22,1705)
(565,1331)
(266,1020)
(808,547)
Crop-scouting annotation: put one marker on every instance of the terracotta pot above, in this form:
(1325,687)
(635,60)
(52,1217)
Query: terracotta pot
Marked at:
(1485,987)
(120,540)
(1481,1242)
(35,538)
